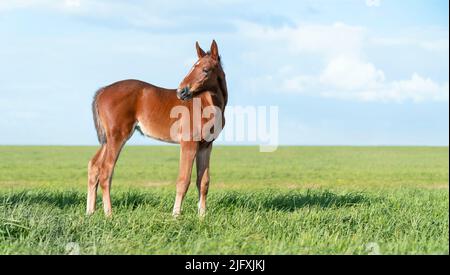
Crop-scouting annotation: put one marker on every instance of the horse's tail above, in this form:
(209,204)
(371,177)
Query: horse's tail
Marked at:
(97,121)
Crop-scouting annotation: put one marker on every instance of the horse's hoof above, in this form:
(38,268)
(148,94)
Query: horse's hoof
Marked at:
(89,213)
(176,215)
(201,213)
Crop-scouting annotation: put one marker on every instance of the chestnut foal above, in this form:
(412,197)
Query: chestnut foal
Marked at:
(124,106)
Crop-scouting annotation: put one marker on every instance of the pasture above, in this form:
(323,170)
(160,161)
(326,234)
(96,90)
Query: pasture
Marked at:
(297,200)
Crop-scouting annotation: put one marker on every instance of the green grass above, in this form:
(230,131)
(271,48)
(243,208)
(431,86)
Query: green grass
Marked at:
(298,200)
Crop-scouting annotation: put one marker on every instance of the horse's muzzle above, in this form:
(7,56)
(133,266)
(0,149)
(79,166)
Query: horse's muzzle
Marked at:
(184,93)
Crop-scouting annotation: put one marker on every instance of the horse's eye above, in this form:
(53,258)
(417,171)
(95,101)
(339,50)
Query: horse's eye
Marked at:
(205,70)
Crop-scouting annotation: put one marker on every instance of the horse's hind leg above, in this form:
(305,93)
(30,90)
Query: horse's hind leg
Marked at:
(114,143)
(93,172)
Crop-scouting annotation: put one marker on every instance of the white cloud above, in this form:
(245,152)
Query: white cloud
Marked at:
(330,40)
(16,4)
(346,73)
(49,4)
(417,89)
(440,45)
(338,50)
(432,45)
(300,83)
(350,78)
(127,12)
(373,3)
(392,41)
(72,3)
(355,80)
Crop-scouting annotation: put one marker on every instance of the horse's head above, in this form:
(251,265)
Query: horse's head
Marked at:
(206,74)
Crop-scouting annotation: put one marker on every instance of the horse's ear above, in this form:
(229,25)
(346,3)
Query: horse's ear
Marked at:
(200,53)
(214,50)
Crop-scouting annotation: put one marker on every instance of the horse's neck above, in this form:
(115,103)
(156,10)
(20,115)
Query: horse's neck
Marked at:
(223,89)
(213,98)
(208,99)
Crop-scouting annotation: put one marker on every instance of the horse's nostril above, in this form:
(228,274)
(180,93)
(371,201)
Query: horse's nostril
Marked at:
(184,93)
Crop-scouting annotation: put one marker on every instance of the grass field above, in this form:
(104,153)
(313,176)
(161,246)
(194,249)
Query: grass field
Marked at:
(298,200)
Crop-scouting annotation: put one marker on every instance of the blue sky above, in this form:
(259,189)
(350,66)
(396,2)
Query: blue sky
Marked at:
(348,72)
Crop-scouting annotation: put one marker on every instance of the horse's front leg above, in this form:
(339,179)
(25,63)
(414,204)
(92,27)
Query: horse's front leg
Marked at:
(188,150)
(203,155)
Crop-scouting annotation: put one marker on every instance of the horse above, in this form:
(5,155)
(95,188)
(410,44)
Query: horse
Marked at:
(128,105)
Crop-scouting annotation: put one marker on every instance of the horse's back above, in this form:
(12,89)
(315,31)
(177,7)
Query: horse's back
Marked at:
(124,93)
(125,87)
(133,88)
(127,103)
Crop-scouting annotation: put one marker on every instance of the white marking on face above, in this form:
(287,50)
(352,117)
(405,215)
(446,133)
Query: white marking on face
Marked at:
(193,67)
